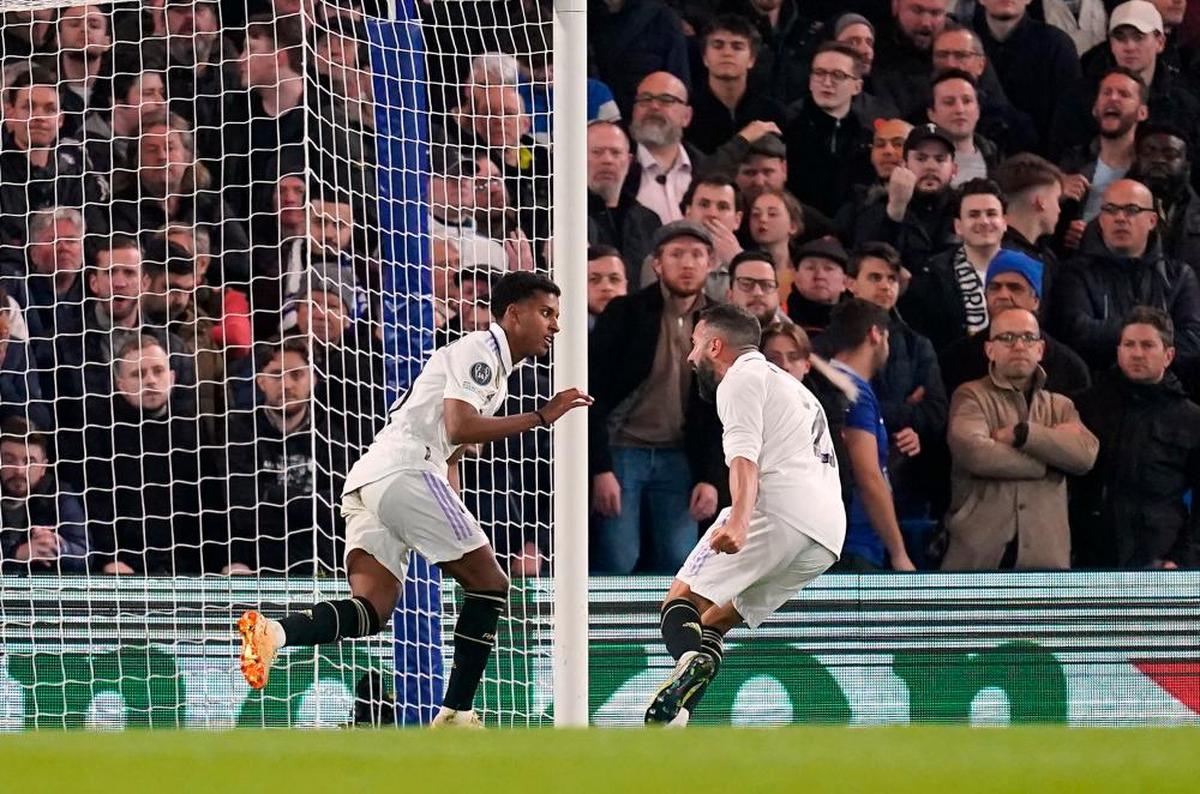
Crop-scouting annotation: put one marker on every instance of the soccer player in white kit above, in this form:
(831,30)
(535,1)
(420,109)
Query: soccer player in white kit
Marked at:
(786,524)
(402,496)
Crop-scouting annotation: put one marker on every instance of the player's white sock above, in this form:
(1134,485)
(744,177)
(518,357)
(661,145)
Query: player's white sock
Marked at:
(275,628)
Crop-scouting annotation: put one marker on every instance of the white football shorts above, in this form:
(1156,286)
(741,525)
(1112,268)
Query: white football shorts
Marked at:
(409,510)
(775,564)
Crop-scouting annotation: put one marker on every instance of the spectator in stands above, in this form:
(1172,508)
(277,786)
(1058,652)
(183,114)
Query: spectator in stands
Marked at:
(197,55)
(615,217)
(826,143)
(887,151)
(84,40)
(955,108)
(857,338)
(138,456)
(1119,108)
(1010,129)
(857,32)
(20,386)
(606,280)
(725,102)
(1135,42)
(909,385)
(634,38)
(819,283)
(42,524)
(1085,21)
(763,168)
(902,65)
(226,308)
(1014,281)
(1125,267)
(1036,63)
(754,286)
(38,169)
(1033,187)
(786,346)
(351,386)
(168,186)
(916,215)
(665,166)
(1013,443)
(715,203)
(88,340)
(271,68)
(452,204)
(945,299)
(139,91)
(495,215)
(1164,165)
(276,471)
(1132,510)
(776,219)
(655,445)
(790,32)
(493,117)
(50,282)
(471,310)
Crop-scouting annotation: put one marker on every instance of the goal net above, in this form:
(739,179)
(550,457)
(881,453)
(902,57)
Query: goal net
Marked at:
(230,235)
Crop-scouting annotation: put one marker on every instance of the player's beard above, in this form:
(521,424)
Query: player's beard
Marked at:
(706,381)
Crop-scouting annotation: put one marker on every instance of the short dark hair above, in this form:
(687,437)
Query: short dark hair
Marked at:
(951,74)
(873,250)
(266,352)
(1154,317)
(1124,71)
(738,26)
(979,186)
(850,324)
(738,327)
(284,33)
(96,244)
(164,256)
(518,286)
(485,274)
(36,75)
(749,255)
(597,251)
(17,430)
(1024,171)
(715,179)
(842,48)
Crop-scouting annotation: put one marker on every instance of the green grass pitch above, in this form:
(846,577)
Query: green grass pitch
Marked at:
(890,760)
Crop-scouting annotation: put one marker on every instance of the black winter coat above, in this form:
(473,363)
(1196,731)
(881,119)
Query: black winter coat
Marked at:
(1095,290)
(1129,510)
(824,155)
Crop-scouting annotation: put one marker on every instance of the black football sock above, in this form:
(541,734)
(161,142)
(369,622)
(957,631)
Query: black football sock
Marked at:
(712,644)
(329,621)
(680,624)
(474,638)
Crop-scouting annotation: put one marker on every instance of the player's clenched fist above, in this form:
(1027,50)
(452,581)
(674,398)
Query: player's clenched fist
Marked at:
(564,401)
(730,537)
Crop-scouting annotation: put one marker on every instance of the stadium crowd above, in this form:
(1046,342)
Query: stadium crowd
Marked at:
(971,228)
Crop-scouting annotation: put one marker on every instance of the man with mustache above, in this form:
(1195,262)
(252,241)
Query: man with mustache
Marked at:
(1125,267)
(1119,108)
(1164,165)
(915,216)
(654,443)
(615,216)
(1013,444)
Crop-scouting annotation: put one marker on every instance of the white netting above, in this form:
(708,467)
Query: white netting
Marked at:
(229,235)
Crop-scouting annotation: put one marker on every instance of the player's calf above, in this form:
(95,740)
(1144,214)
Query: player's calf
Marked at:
(474,637)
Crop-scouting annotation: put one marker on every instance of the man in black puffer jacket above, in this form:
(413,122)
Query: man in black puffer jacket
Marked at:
(1124,268)
(1129,510)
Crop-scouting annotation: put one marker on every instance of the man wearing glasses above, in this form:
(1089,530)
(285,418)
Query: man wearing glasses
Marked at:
(753,286)
(826,143)
(1124,268)
(1013,444)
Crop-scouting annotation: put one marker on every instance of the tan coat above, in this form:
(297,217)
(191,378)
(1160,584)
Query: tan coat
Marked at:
(999,492)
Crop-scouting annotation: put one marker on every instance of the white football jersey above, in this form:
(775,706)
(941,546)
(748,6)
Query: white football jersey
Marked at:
(473,369)
(774,421)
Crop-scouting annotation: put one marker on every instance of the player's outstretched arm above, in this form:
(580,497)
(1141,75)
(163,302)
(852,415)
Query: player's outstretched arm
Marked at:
(465,425)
